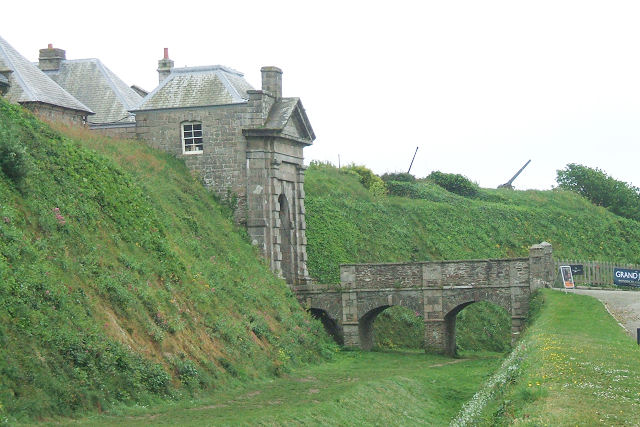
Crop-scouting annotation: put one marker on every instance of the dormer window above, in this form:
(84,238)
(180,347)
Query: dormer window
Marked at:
(191,137)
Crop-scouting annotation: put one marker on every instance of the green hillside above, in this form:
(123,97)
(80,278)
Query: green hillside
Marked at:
(346,223)
(122,280)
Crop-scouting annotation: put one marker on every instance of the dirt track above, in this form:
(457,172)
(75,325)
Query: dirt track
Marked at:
(623,305)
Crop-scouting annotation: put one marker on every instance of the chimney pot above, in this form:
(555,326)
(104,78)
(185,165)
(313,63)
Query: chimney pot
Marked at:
(51,58)
(165,65)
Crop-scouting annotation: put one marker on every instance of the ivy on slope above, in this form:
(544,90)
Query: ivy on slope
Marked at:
(346,226)
(123,281)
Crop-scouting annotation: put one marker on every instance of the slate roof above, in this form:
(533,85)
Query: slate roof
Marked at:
(198,87)
(280,113)
(29,84)
(90,81)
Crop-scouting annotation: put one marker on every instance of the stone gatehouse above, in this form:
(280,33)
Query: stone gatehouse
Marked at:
(246,145)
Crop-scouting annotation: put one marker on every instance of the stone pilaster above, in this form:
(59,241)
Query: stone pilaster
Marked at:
(541,266)
(350,324)
(435,336)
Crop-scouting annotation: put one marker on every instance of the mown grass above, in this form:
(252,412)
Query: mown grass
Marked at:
(356,388)
(578,368)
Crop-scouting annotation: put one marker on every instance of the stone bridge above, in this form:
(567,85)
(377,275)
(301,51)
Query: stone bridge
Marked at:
(436,291)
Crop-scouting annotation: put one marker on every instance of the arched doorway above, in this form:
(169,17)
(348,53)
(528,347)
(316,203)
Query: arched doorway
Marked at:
(286,246)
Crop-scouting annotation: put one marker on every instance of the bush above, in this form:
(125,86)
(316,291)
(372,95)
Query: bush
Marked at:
(398,176)
(369,180)
(14,160)
(455,183)
(619,197)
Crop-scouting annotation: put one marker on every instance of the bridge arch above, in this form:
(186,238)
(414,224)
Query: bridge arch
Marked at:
(365,327)
(375,303)
(330,324)
(450,321)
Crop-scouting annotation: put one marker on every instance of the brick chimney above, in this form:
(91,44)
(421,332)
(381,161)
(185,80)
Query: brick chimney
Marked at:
(50,58)
(164,66)
(272,81)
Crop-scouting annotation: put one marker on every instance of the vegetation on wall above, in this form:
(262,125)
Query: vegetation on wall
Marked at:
(122,280)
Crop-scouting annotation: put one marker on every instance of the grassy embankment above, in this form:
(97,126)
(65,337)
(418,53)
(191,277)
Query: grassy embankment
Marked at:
(355,388)
(122,281)
(346,223)
(576,366)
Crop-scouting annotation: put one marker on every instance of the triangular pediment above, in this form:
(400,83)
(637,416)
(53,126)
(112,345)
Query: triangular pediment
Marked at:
(287,119)
(298,125)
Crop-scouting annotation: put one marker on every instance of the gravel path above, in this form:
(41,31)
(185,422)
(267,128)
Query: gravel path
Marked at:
(623,305)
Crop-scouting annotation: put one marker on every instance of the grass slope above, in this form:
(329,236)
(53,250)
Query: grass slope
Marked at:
(346,223)
(356,388)
(123,281)
(578,368)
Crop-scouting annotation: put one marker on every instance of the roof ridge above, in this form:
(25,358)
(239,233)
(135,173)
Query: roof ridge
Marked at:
(109,76)
(12,66)
(230,87)
(207,68)
(144,100)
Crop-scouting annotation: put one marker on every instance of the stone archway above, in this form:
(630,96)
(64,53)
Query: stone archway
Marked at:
(287,265)
(330,325)
(365,327)
(450,328)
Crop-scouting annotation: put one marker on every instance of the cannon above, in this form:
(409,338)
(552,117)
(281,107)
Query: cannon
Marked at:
(508,183)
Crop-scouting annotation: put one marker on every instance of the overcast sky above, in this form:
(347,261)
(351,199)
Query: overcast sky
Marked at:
(480,86)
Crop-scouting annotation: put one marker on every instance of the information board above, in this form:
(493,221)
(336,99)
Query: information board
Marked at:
(577,269)
(626,277)
(567,276)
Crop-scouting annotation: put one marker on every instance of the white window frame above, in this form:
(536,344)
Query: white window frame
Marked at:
(190,138)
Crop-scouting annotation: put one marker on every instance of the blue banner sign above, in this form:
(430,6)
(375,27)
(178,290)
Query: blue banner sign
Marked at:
(626,277)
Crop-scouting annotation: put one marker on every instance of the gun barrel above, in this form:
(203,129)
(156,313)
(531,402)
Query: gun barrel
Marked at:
(519,172)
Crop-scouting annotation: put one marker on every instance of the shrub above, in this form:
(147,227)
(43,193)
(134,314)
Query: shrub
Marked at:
(369,180)
(619,197)
(367,177)
(455,183)
(14,160)
(398,176)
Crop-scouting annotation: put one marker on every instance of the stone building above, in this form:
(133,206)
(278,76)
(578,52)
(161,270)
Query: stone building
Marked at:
(247,146)
(97,87)
(21,82)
